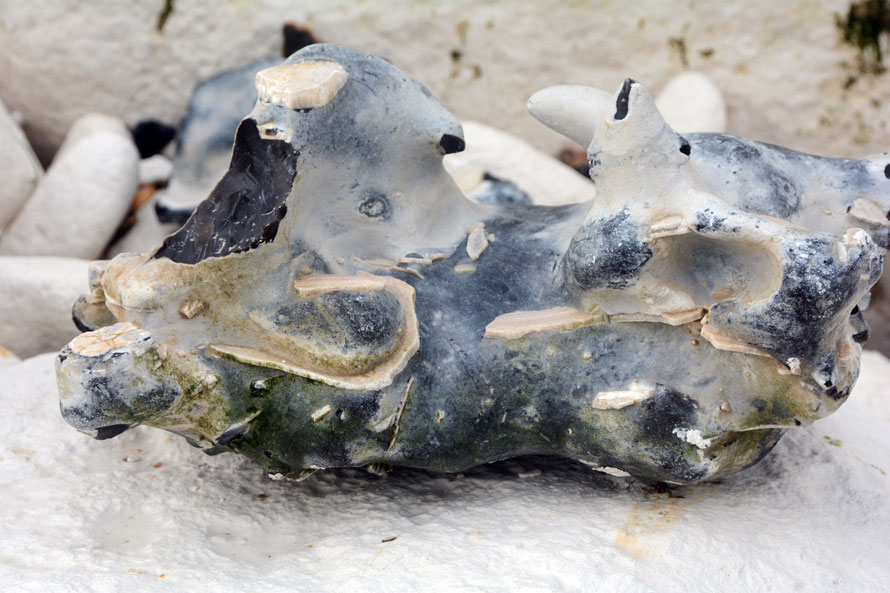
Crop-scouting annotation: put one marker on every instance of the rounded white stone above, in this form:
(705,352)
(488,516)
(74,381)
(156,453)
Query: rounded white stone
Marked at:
(19,168)
(83,197)
(36,296)
(303,85)
(546,180)
(155,169)
(691,102)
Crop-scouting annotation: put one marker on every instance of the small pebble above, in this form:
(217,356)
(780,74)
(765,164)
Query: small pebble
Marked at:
(691,102)
(155,170)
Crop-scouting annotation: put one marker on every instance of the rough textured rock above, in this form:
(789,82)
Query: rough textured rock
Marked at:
(145,512)
(671,329)
(83,197)
(35,302)
(691,102)
(19,168)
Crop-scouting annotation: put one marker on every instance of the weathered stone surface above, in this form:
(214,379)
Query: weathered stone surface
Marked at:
(507,167)
(337,300)
(83,197)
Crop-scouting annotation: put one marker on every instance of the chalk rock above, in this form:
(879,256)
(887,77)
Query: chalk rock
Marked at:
(36,294)
(492,155)
(19,168)
(83,197)
(669,329)
(691,102)
(872,386)
(134,503)
(155,169)
(92,124)
(146,233)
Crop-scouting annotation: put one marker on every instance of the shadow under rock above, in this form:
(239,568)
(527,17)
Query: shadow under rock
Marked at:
(550,473)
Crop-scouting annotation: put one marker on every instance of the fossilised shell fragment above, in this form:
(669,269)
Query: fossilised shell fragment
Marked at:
(300,85)
(643,333)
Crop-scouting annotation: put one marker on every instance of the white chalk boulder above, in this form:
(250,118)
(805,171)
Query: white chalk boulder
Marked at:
(155,170)
(36,296)
(691,102)
(82,198)
(146,234)
(146,512)
(19,168)
(508,158)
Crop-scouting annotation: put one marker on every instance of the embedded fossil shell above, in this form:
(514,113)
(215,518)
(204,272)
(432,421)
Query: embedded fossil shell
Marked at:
(303,85)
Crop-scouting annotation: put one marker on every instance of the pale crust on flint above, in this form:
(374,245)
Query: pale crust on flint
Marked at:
(378,377)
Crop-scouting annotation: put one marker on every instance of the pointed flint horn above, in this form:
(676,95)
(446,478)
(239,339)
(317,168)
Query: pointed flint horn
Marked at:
(571,110)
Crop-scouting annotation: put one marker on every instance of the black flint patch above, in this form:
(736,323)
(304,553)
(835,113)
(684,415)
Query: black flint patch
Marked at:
(245,207)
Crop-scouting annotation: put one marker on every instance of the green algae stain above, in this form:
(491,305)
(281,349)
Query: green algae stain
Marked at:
(833,442)
(865,27)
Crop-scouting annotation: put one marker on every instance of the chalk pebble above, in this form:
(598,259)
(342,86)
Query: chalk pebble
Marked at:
(546,180)
(155,170)
(36,296)
(19,168)
(691,102)
(82,198)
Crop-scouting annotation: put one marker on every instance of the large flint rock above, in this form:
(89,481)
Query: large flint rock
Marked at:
(83,197)
(338,301)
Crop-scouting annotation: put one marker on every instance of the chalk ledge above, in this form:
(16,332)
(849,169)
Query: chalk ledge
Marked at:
(147,512)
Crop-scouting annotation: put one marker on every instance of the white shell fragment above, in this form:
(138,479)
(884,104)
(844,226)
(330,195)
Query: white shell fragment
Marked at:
(521,323)
(300,86)
(321,412)
(477,242)
(615,400)
(99,342)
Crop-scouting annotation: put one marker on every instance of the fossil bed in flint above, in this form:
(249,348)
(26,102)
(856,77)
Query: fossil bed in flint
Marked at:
(337,301)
